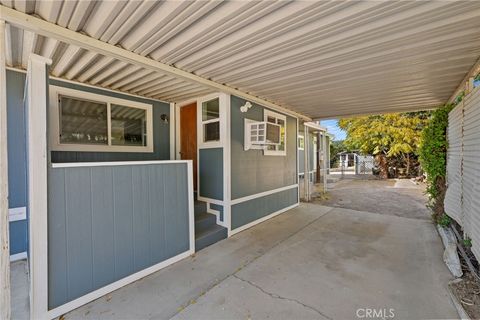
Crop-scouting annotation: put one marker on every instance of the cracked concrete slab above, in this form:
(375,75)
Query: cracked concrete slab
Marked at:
(235,298)
(338,264)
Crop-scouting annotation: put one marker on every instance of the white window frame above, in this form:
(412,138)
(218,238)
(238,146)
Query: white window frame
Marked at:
(54,115)
(268,113)
(222,100)
(301,137)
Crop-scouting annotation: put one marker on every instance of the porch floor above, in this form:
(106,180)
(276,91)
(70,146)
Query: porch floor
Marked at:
(312,262)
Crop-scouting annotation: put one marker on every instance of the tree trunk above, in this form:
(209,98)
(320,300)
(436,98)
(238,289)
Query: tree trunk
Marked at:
(381,159)
(408,165)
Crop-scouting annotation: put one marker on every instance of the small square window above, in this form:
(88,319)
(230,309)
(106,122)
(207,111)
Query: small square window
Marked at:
(211,131)
(280,131)
(211,109)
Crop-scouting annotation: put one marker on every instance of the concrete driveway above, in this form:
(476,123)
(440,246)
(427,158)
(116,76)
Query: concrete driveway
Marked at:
(313,262)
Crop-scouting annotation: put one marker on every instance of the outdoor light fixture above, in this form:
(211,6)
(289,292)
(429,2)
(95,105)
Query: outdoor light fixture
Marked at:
(164,118)
(245,107)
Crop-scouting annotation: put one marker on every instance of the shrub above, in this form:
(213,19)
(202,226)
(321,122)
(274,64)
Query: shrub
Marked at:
(433,158)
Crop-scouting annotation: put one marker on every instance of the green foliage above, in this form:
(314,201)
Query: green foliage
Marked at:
(335,148)
(433,150)
(444,220)
(394,134)
(467,242)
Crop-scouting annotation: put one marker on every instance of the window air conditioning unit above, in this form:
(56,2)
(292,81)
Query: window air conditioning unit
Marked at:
(258,135)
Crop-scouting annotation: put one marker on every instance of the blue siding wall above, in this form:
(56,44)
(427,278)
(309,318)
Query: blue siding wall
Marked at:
(17,171)
(252,172)
(211,173)
(161,132)
(301,154)
(249,211)
(106,223)
(17,158)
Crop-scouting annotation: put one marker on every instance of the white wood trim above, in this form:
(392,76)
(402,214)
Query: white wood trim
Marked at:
(191,206)
(224,102)
(227,165)
(54,121)
(253,223)
(37,184)
(57,312)
(17,214)
(178,128)
(262,194)
(217,215)
(51,30)
(172,126)
(300,136)
(324,160)
(18,256)
(221,119)
(266,114)
(113,163)
(298,160)
(306,161)
(5,308)
(210,200)
(213,211)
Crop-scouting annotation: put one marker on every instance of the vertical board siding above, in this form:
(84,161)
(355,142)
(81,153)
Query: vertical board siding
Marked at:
(463,167)
(211,173)
(471,169)
(453,196)
(17,158)
(251,171)
(108,222)
(251,210)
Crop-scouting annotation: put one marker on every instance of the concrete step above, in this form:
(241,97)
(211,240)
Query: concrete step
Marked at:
(209,236)
(204,221)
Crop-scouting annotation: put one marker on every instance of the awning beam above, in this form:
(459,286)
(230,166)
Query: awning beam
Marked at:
(50,30)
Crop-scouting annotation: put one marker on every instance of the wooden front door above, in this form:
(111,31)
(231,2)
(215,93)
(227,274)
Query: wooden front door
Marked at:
(188,137)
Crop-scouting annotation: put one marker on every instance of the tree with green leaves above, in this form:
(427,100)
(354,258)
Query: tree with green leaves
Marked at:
(394,135)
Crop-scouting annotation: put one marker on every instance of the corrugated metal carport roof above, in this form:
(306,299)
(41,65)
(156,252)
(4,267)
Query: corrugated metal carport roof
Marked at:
(321,59)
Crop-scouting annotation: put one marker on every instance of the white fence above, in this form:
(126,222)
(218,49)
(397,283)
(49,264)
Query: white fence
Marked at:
(462,200)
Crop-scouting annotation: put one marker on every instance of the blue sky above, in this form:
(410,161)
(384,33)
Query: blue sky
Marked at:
(332,127)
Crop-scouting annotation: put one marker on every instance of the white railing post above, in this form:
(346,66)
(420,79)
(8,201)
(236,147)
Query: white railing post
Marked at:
(4,224)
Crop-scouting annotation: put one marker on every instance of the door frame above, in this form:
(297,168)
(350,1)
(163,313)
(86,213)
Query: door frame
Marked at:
(176,155)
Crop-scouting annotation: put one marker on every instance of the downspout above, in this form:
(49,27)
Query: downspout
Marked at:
(5,311)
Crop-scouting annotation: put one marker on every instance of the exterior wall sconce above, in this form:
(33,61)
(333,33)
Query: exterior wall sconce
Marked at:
(245,107)
(164,118)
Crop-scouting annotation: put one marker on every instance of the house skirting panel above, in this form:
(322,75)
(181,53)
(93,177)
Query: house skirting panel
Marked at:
(251,211)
